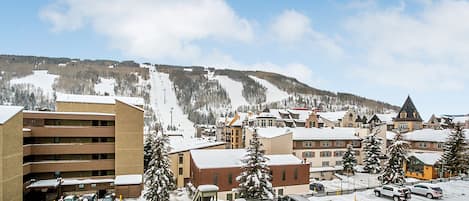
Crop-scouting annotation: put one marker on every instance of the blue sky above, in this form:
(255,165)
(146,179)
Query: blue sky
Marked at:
(383,50)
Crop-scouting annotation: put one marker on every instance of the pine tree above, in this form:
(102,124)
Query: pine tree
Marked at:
(147,150)
(159,177)
(254,181)
(372,148)
(349,161)
(453,158)
(397,153)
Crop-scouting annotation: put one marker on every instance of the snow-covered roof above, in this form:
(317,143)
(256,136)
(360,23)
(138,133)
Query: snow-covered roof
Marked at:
(461,119)
(226,158)
(130,179)
(301,133)
(303,114)
(207,188)
(98,99)
(7,112)
(427,158)
(271,132)
(427,135)
(179,144)
(390,135)
(67,182)
(332,116)
(325,169)
(71,113)
(266,115)
(386,117)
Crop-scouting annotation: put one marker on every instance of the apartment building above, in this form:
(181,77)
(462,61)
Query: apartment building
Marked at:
(75,151)
(11,158)
(221,167)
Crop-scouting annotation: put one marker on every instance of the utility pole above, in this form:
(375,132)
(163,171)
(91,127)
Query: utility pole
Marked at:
(171,117)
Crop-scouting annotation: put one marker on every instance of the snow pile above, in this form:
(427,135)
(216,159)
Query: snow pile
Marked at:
(234,90)
(163,100)
(105,86)
(273,94)
(40,79)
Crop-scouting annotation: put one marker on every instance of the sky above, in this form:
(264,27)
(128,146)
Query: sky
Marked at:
(383,50)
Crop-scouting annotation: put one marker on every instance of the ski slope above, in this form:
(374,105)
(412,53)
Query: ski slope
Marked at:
(162,99)
(234,90)
(273,94)
(106,85)
(40,79)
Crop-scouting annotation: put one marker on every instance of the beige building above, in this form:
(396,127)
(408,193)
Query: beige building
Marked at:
(11,157)
(180,155)
(274,140)
(88,148)
(408,118)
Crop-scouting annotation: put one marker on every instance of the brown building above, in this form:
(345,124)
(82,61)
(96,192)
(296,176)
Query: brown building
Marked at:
(408,118)
(11,158)
(85,147)
(221,167)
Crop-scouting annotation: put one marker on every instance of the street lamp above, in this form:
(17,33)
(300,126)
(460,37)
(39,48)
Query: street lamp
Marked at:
(171,118)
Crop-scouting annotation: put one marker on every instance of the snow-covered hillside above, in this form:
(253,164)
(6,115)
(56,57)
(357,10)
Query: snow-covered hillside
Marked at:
(234,90)
(273,93)
(163,100)
(106,85)
(40,79)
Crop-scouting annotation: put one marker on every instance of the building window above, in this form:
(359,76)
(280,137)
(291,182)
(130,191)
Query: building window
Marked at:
(325,154)
(307,144)
(284,175)
(356,143)
(308,154)
(270,122)
(295,174)
(56,140)
(230,178)
(93,185)
(180,171)
(215,179)
(423,145)
(440,145)
(280,192)
(338,163)
(181,158)
(339,153)
(81,186)
(229,196)
(339,143)
(325,164)
(325,143)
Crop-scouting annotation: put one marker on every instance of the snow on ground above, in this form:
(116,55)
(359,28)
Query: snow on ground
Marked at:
(234,90)
(452,191)
(105,86)
(273,93)
(163,98)
(40,78)
(359,180)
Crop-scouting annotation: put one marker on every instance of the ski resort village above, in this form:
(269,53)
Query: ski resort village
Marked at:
(223,100)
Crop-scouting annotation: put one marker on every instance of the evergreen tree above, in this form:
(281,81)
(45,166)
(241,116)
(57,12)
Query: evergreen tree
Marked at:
(147,150)
(453,158)
(159,177)
(397,153)
(254,181)
(349,161)
(372,148)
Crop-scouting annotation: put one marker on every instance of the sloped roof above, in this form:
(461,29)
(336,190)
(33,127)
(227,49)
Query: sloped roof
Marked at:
(7,112)
(409,108)
(427,158)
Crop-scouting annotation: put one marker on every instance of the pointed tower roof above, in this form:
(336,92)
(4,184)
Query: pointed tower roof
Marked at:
(408,112)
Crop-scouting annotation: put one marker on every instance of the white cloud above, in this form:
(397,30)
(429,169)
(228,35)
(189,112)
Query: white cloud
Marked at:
(152,29)
(294,27)
(423,51)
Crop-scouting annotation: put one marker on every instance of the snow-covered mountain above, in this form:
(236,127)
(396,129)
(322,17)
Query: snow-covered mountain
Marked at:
(177,97)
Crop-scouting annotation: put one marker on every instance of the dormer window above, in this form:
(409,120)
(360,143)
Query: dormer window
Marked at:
(403,115)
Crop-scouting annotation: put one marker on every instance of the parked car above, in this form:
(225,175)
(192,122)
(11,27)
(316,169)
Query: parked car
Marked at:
(89,197)
(318,187)
(397,193)
(109,197)
(428,190)
(71,198)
